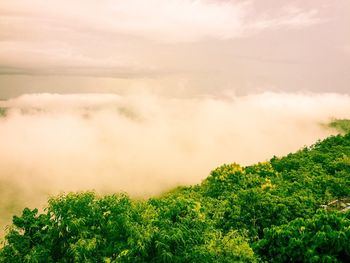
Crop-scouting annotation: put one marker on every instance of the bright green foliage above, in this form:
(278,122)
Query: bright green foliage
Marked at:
(81,228)
(86,228)
(323,238)
(270,211)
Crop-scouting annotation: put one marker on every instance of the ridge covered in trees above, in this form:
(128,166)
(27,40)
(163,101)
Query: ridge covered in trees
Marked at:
(274,211)
(2,112)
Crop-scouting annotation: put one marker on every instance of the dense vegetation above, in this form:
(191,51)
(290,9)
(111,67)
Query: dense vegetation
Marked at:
(2,112)
(342,125)
(283,210)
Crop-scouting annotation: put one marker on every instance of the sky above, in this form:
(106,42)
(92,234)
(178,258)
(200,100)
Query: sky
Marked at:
(141,96)
(174,47)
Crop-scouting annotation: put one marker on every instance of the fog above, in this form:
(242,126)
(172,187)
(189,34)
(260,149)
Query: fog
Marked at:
(145,144)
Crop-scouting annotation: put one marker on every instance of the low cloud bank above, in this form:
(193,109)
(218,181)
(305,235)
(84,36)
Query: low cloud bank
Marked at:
(146,144)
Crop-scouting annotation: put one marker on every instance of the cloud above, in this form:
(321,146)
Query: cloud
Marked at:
(124,38)
(176,20)
(169,21)
(345,49)
(105,142)
(109,72)
(290,18)
(145,144)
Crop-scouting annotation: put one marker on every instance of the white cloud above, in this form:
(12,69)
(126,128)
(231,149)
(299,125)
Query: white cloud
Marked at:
(143,144)
(175,20)
(117,37)
(289,18)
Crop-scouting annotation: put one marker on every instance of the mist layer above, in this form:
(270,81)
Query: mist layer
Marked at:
(146,144)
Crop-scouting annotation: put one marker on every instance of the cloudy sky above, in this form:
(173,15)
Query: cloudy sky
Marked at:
(176,47)
(144,95)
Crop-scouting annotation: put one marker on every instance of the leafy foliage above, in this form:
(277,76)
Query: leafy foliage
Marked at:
(322,238)
(342,125)
(269,211)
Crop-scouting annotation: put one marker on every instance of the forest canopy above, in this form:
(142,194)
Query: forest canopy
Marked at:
(289,209)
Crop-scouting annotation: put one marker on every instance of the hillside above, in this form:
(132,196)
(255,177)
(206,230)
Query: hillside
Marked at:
(289,209)
(341,125)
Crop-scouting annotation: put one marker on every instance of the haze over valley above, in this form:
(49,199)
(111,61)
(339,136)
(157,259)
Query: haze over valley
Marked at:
(141,97)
